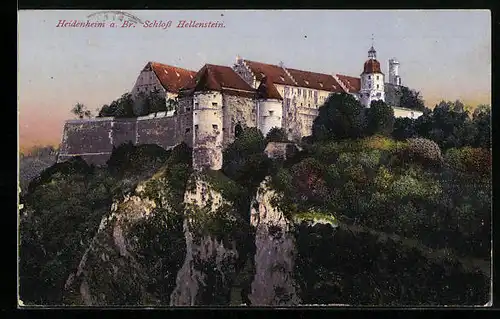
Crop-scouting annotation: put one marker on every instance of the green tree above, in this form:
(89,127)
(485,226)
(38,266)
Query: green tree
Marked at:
(277,134)
(481,119)
(244,159)
(81,111)
(380,118)
(342,116)
(411,99)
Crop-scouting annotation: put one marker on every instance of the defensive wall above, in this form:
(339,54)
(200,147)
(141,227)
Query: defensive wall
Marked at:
(94,139)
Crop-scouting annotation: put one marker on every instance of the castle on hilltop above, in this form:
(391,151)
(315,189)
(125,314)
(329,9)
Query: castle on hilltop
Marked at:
(215,100)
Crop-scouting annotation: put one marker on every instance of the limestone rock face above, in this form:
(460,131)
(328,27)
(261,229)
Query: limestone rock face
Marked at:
(133,257)
(273,283)
(209,265)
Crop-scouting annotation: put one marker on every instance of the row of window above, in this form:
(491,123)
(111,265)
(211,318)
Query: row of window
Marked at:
(370,77)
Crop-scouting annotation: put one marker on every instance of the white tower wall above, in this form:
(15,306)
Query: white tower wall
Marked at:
(372,88)
(270,115)
(394,77)
(207,130)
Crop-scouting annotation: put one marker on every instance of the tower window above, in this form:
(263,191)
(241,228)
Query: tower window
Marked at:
(271,113)
(377,86)
(196,105)
(377,77)
(214,103)
(369,77)
(215,126)
(196,127)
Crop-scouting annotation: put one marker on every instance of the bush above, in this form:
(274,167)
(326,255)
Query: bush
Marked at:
(277,135)
(380,118)
(423,151)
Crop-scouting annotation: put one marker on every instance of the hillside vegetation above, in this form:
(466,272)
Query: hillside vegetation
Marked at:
(377,211)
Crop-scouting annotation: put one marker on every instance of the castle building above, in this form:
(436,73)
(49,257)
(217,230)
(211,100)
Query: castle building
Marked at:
(215,100)
(372,80)
(162,77)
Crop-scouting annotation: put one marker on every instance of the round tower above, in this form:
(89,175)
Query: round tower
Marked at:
(394,77)
(207,130)
(269,106)
(372,80)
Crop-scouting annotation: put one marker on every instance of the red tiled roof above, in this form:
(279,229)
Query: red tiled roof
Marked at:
(275,73)
(218,78)
(267,90)
(317,81)
(353,84)
(372,66)
(171,78)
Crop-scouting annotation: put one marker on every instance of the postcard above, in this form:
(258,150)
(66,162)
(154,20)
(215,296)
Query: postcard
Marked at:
(254,158)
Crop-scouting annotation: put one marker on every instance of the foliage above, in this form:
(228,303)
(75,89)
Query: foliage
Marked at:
(62,211)
(404,128)
(152,102)
(470,160)
(130,158)
(342,116)
(411,99)
(122,107)
(450,125)
(358,266)
(277,134)
(380,118)
(244,160)
(81,111)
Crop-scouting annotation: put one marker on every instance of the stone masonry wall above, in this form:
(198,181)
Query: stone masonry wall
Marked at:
(94,139)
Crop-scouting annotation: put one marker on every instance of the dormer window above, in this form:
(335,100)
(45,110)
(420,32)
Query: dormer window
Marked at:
(307,82)
(262,74)
(282,78)
(321,84)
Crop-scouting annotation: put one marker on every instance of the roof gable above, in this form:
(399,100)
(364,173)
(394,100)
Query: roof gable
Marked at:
(267,90)
(171,78)
(353,84)
(275,73)
(317,81)
(218,78)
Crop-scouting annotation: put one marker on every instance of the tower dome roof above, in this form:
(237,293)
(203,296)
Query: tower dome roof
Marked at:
(372,66)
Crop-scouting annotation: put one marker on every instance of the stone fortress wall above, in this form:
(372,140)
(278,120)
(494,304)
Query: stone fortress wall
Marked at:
(94,139)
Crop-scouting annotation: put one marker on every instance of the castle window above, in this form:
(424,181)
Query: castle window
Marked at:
(299,91)
(271,113)
(188,109)
(215,113)
(369,77)
(308,104)
(215,126)
(377,86)
(188,129)
(196,105)
(214,103)
(195,127)
(377,77)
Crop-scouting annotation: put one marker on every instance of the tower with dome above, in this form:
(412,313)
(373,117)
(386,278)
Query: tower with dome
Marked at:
(372,80)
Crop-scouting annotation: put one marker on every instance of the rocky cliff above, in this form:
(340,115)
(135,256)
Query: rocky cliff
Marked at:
(170,236)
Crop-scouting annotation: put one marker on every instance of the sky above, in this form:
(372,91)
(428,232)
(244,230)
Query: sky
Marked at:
(444,54)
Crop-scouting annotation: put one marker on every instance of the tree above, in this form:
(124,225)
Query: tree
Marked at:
(449,125)
(342,116)
(380,118)
(81,111)
(277,134)
(481,119)
(404,128)
(411,99)
(244,159)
